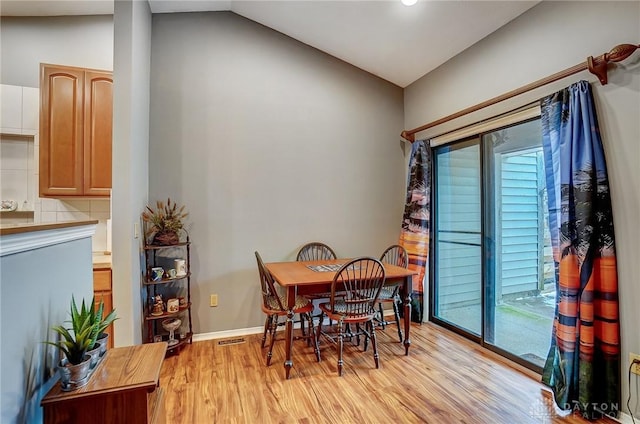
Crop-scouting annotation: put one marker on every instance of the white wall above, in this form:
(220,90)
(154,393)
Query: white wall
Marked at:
(546,39)
(132,20)
(25,42)
(269,143)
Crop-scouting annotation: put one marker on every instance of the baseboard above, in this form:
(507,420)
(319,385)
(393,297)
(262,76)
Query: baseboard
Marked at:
(227,333)
(624,418)
(234,333)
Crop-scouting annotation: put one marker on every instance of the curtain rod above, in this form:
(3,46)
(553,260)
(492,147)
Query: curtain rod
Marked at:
(597,66)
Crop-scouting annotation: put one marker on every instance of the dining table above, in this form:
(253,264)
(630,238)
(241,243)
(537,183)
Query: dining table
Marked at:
(309,277)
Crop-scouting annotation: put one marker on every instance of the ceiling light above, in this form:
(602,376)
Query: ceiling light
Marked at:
(409,2)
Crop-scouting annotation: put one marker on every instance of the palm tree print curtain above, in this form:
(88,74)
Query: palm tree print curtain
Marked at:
(583,365)
(415,223)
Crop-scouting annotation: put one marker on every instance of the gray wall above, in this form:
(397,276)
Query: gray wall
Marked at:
(25,42)
(35,292)
(544,40)
(132,21)
(270,144)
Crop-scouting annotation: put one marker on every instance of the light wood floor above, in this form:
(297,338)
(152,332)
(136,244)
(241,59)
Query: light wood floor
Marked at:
(445,379)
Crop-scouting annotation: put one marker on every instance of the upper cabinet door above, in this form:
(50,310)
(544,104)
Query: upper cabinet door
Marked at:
(98,130)
(76,116)
(61,135)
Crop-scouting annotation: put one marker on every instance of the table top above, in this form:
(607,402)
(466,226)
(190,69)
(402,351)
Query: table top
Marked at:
(299,273)
(124,368)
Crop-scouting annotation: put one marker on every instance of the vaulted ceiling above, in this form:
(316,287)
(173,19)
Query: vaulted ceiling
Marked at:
(384,37)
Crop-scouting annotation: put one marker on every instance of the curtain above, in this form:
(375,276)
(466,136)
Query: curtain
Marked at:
(415,223)
(583,365)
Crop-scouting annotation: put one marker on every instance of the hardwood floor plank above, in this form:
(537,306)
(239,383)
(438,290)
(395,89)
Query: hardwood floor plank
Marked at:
(445,379)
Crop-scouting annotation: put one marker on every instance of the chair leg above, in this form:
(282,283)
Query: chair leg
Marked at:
(396,312)
(312,334)
(366,335)
(374,344)
(357,334)
(383,323)
(267,324)
(274,327)
(340,343)
(304,333)
(317,338)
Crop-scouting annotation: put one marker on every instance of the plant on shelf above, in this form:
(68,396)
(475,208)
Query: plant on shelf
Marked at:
(101,324)
(164,222)
(74,342)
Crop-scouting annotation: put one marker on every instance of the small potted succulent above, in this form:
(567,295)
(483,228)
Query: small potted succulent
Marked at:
(74,342)
(165,222)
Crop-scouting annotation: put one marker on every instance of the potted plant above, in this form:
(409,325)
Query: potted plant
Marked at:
(102,323)
(164,222)
(74,342)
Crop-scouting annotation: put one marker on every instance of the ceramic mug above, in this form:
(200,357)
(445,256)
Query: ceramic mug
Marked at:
(181,267)
(157,273)
(173,305)
(172,273)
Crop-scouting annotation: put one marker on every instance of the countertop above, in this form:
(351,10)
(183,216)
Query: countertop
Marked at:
(6,229)
(101,260)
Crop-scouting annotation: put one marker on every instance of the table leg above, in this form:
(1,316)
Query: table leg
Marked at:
(291,300)
(407,288)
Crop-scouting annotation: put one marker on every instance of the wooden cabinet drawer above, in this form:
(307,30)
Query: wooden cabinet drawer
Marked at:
(102,280)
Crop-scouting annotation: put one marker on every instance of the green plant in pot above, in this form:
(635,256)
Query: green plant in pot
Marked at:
(74,342)
(164,222)
(101,324)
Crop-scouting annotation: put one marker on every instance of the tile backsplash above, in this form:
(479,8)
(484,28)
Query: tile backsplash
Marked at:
(17,170)
(55,210)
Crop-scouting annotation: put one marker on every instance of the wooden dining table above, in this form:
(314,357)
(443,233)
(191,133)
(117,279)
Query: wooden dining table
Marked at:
(308,277)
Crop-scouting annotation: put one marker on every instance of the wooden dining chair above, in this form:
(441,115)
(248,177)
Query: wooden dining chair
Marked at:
(394,255)
(315,251)
(274,306)
(352,302)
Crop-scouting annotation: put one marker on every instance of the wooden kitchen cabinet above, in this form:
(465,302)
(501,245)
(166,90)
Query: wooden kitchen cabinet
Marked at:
(76,120)
(102,291)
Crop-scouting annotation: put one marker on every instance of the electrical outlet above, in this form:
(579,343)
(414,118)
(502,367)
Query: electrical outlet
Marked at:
(636,367)
(136,230)
(213,300)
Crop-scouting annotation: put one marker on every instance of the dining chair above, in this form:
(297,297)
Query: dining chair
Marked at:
(315,251)
(394,255)
(274,306)
(354,293)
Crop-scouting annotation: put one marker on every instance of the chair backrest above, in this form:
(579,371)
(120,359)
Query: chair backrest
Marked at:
(396,255)
(269,293)
(315,251)
(357,284)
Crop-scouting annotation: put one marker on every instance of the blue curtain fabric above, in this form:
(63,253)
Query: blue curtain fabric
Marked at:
(583,365)
(415,222)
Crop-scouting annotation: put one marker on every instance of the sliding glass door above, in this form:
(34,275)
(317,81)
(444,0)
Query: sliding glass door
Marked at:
(458,262)
(493,275)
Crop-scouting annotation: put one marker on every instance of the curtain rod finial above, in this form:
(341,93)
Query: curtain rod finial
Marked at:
(598,65)
(409,137)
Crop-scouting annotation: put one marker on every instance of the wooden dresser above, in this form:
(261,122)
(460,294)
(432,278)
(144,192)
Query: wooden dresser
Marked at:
(124,388)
